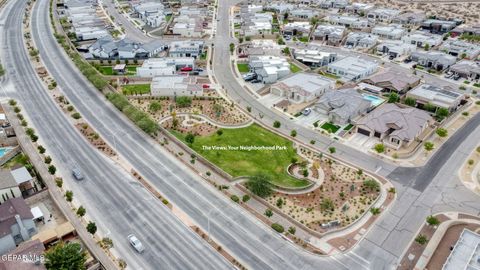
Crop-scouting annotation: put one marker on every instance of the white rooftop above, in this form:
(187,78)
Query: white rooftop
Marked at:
(466,253)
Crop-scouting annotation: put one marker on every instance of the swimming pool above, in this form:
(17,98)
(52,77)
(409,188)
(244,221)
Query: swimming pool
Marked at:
(4,150)
(374,99)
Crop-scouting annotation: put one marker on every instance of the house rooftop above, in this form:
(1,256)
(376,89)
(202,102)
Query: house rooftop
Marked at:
(8,210)
(465,253)
(398,80)
(436,95)
(305,83)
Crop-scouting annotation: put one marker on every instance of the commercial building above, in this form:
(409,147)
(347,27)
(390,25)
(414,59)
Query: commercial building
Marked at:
(342,106)
(331,34)
(352,68)
(16,224)
(314,56)
(436,96)
(302,87)
(269,69)
(175,86)
(431,59)
(393,125)
(393,81)
(164,66)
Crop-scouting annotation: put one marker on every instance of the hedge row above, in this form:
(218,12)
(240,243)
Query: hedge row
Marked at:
(141,119)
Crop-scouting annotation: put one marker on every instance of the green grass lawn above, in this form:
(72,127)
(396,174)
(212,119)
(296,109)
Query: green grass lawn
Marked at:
(294,68)
(348,127)
(136,89)
(106,70)
(329,126)
(238,162)
(243,68)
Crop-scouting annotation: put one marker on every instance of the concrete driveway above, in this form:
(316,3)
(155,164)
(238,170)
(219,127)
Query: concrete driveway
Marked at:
(307,121)
(270,99)
(362,142)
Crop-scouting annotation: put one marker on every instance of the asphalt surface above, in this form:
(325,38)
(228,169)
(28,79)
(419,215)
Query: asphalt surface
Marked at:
(252,243)
(115,201)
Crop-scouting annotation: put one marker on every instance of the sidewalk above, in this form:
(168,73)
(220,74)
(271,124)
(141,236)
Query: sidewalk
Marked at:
(37,161)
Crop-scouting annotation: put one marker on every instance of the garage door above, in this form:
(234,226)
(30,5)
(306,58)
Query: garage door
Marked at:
(364,132)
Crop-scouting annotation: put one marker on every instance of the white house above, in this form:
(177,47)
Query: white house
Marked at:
(461,49)
(314,56)
(392,31)
(297,29)
(269,69)
(352,68)
(175,86)
(420,39)
(382,14)
(302,87)
(354,22)
(164,66)
(395,48)
(186,48)
(361,40)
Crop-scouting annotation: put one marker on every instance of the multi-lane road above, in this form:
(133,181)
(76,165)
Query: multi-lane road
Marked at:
(123,206)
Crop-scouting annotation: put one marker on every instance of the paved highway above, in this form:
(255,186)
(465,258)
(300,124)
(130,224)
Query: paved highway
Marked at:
(251,242)
(117,203)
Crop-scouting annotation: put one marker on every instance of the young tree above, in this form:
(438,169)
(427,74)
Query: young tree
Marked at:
(65,256)
(260,185)
(327,205)
(441,132)
(245,198)
(410,101)
(442,113)
(276,124)
(380,148)
(52,169)
(428,146)
(269,212)
(292,230)
(155,106)
(421,239)
(332,150)
(277,227)
(293,133)
(81,211)
(393,97)
(69,195)
(219,132)
(375,211)
(91,227)
(432,221)
(190,138)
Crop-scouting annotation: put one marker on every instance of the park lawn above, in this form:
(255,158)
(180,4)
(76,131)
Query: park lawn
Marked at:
(106,70)
(272,163)
(294,68)
(243,68)
(329,126)
(136,89)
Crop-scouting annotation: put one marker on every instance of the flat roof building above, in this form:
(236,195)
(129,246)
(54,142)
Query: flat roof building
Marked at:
(302,87)
(465,253)
(352,68)
(175,86)
(436,96)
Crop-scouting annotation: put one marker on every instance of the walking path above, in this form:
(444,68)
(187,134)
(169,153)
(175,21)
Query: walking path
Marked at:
(190,121)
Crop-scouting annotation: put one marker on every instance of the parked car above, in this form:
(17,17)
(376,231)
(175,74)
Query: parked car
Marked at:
(256,81)
(205,86)
(77,174)
(194,73)
(456,77)
(199,69)
(408,60)
(288,37)
(249,76)
(307,111)
(136,244)
(186,69)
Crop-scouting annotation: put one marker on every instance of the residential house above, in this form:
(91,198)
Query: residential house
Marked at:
(16,224)
(431,59)
(421,39)
(410,18)
(359,8)
(269,69)
(164,66)
(31,253)
(186,48)
(352,68)
(461,49)
(465,253)
(473,30)
(280,7)
(24,181)
(469,70)
(395,48)
(342,106)
(331,34)
(361,40)
(392,31)
(86,24)
(253,24)
(152,13)
(436,96)
(108,48)
(128,49)
(188,26)
(314,56)
(353,22)
(303,13)
(438,26)
(395,126)
(176,85)
(341,4)
(8,186)
(302,87)
(260,47)
(382,14)
(393,81)
(297,29)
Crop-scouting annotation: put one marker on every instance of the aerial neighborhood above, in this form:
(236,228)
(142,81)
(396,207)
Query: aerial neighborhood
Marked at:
(248,134)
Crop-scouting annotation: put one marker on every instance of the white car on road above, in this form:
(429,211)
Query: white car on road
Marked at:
(136,244)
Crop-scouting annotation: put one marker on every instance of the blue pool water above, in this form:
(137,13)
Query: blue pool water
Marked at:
(374,99)
(3,150)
